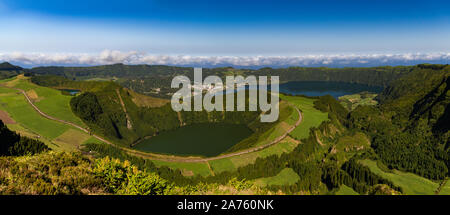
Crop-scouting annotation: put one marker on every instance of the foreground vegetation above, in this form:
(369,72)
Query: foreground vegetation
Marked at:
(73,174)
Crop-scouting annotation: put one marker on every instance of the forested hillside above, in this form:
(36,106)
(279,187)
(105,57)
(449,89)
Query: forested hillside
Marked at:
(409,129)
(8,70)
(12,144)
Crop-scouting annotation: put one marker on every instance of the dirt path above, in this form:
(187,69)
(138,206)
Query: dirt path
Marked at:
(210,169)
(4,116)
(129,126)
(50,117)
(441,185)
(161,157)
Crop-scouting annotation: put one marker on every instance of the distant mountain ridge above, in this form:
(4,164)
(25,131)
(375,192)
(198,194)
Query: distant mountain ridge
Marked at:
(5,66)
(376,76)
(8,70)
(379,76)
(155,80)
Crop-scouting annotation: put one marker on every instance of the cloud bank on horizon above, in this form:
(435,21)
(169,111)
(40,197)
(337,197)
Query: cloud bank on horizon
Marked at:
(135,57)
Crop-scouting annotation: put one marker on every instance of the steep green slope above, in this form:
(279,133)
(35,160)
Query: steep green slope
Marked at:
(409,130)
(410,183)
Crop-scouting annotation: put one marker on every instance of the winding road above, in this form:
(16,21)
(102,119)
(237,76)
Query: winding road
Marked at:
(170,158)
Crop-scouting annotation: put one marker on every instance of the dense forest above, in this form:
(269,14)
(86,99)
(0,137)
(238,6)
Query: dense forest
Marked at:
(409,129)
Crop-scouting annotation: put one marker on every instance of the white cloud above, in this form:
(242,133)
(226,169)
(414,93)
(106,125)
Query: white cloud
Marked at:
(134,57)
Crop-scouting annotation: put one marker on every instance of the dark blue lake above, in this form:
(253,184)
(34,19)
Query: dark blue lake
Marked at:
(70,91)
(207,139)
(321,88)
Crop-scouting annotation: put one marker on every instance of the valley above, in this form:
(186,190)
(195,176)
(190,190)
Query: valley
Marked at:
(318,146)
(21,81)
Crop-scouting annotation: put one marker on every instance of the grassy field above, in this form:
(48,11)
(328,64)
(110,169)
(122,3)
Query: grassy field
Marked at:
(28,120)
(349,145)
(445,190)
(18,128)
(50,101)
(102,79)
(352,101)
(222,165)
(18,108)
(411,184)
(344,190)
(92,140)
(71,139)
(287,176)
(188,169)
(311,116)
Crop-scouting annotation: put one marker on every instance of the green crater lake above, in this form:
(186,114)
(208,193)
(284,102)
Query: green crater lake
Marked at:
(209,139)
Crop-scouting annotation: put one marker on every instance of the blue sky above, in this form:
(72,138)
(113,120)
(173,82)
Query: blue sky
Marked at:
(223,28)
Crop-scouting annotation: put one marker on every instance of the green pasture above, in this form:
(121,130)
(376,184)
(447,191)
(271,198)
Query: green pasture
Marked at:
(287,176)
(352,101)
(51,101)
(29,122)
(311,116)
(21,111)
(411,184)
(186,168)
(345,190)
(222,165)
